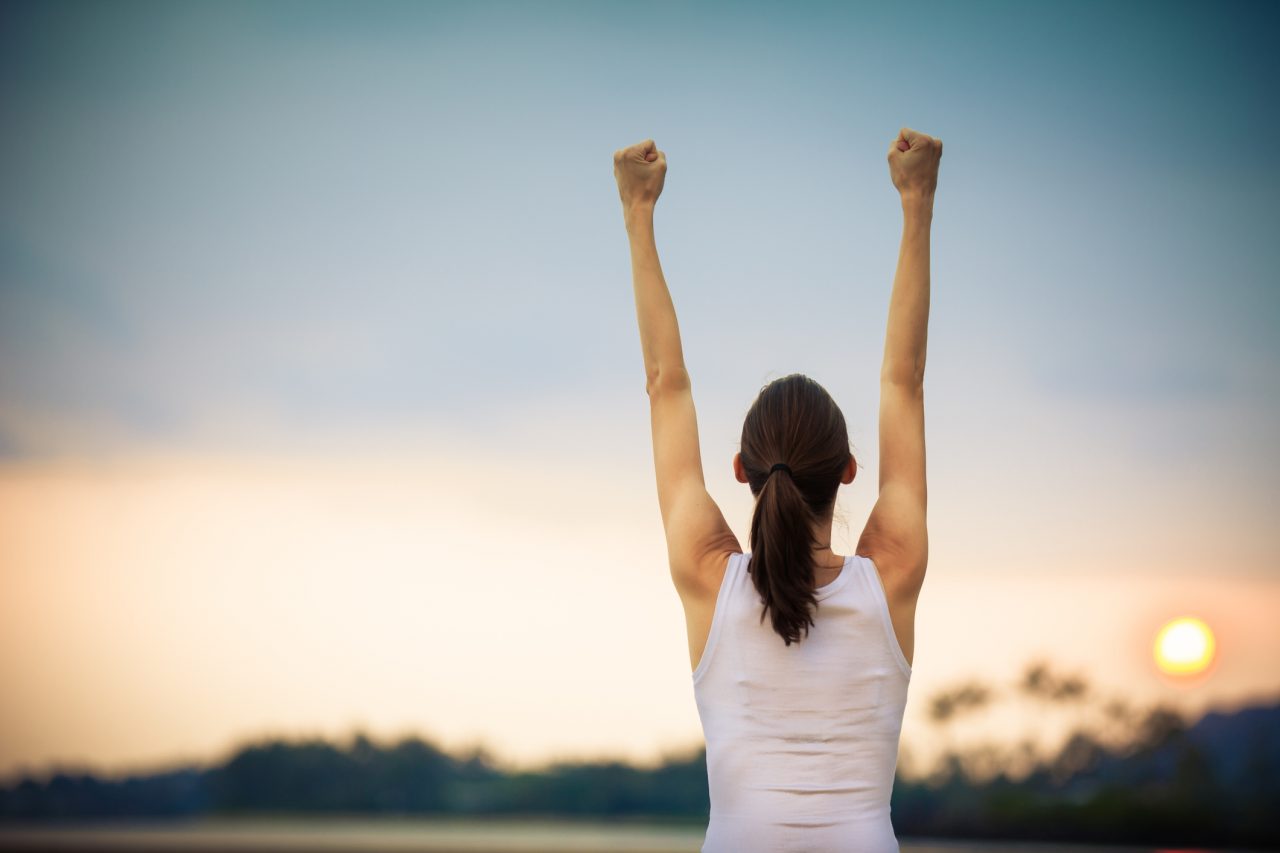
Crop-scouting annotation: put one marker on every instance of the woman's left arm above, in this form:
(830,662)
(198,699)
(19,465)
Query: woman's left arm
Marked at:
(696,531)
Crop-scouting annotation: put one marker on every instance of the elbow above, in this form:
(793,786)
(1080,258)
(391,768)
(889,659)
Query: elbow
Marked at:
(663,379)
(913,379)
(908,374)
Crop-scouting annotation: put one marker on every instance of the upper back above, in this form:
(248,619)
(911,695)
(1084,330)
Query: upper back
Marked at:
(822,715)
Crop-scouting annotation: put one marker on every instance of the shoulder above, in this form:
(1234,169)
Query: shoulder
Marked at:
(708,576)
(901,579)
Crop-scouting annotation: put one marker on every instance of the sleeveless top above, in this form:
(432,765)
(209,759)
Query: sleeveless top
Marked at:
(802,740)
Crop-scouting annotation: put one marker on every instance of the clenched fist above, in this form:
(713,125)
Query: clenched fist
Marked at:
(913,163)
(640,170)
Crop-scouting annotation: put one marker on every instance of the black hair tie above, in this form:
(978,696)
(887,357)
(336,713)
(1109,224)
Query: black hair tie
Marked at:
(781,465)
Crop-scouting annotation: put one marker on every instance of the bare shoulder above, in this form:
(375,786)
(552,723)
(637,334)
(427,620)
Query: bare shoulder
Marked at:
(714,566)
(700,583)
(902,577)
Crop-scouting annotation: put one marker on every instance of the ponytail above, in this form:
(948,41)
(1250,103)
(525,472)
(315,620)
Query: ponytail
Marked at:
(781,556)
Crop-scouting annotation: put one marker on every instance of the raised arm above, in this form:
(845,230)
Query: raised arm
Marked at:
(696,531)
(641,171)
(896,536)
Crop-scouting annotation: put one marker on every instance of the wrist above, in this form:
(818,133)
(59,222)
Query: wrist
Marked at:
(917,203)
(638,211)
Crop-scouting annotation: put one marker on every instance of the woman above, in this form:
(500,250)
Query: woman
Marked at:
(801,711)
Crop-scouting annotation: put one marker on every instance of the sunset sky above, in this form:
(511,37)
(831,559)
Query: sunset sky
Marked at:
(321,396)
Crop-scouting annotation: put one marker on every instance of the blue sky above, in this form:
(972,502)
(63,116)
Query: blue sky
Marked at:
(355,211)
(262,228)
(311,215)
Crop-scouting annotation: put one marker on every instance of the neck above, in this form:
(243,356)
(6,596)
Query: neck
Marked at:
(823,555)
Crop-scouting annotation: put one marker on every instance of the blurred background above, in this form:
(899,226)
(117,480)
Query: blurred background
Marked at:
(322,411)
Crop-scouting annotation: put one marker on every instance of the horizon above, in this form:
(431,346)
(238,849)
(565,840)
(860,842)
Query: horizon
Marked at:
(911,768)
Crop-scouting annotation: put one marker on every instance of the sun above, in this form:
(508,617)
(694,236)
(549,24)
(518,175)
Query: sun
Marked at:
(1184,646)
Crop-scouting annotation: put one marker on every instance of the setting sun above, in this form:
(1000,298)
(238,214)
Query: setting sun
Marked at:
(1184,646)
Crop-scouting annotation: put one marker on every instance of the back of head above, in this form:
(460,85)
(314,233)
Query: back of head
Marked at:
(792,421)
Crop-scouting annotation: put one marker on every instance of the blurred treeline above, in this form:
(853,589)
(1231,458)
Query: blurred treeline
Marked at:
(1123,776)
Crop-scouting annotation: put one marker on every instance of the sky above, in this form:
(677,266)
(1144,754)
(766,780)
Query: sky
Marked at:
(321,395)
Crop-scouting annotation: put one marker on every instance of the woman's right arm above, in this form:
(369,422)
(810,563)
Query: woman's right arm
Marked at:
(896,536)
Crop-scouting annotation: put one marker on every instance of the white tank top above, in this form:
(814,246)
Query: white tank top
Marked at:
(802,740)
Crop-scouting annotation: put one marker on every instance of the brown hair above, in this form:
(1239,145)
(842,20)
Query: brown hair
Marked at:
(793,421)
